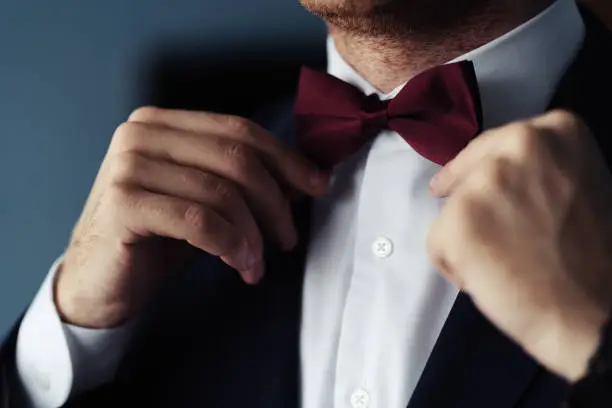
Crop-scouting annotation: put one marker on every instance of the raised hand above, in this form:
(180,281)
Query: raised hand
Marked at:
(171,184)
(527,232)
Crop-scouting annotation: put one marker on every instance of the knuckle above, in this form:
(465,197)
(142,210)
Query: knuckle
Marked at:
(197,179)
(144,114)
(241,157)
(124,166)
(238,125)
(568,123)
(224,190)
(128,135)
(119,196)
(563,117)
(218,186)
(196,217)
(526,140)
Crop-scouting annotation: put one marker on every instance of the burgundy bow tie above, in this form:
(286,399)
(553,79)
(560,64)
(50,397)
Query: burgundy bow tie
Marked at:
(437,113)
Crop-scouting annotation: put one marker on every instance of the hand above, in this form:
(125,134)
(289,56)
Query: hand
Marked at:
(173,183)
(527,232)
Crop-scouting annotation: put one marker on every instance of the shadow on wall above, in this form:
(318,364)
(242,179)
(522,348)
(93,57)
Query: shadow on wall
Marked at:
(239,81)
(243,80)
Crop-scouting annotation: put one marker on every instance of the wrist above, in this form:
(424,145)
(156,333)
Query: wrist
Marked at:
(569,341)
(77,308)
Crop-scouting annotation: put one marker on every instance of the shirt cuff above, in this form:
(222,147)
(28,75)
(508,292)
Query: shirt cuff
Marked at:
(55,360)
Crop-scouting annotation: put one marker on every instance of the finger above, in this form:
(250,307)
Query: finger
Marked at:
(437,247)
(227,158)
(567,137)
(560,122)
(458,244)
(146,213)
(446,180)
(190,184)
(285,163)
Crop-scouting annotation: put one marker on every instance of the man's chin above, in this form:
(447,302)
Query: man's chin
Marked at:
(398,18)
(347,8)
(366,17)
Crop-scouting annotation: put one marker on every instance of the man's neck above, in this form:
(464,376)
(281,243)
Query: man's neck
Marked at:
(388,61)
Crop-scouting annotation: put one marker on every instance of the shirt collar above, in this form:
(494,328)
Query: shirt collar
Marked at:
(517,73)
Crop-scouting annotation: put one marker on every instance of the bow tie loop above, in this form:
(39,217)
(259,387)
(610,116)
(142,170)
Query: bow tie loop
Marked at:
(374,115)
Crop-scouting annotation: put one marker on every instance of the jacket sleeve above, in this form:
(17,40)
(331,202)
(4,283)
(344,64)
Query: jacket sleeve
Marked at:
(595,389)
(10,394)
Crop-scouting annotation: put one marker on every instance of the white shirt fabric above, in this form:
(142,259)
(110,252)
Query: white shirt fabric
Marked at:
(373,305)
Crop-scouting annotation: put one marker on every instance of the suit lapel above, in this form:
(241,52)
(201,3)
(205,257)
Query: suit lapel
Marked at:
(284,284)
(587,87)
(473,365)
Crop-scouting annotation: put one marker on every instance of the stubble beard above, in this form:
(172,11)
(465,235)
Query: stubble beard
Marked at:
(398,18)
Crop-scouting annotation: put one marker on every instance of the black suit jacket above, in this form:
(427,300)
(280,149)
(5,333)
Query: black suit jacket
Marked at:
(209,340)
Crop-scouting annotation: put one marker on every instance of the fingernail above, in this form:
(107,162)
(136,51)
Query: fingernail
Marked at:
(289,238)
(247,257)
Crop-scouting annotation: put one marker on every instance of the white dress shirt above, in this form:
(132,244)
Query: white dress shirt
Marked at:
(373,305)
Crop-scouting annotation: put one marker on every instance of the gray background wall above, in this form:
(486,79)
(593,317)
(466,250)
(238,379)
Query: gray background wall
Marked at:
(68,71)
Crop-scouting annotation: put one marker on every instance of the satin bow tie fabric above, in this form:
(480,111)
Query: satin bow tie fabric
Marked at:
(438,113)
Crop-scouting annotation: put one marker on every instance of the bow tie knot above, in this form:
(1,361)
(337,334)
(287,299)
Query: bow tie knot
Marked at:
(438,112)
(374,115)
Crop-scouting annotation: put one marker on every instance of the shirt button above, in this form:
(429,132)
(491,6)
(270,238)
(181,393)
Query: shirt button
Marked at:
(382,247)
(360,399)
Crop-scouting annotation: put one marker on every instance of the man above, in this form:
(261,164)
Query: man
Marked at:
(338,301)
